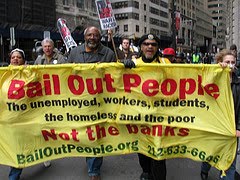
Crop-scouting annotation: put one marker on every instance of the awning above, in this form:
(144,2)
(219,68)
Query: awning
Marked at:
(30,34)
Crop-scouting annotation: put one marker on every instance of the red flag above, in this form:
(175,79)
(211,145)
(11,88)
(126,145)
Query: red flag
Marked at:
(178,20)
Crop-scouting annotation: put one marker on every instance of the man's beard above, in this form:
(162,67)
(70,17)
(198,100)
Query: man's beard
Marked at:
(92,45)
(149,59)
(149,56)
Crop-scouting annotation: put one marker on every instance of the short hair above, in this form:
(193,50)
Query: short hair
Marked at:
(125,38)
(47,40)
(233,47)
(219,56)
(85,31)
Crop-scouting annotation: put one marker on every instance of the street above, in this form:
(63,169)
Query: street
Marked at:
(124,167)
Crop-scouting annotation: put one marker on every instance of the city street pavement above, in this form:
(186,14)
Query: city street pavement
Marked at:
(124,167)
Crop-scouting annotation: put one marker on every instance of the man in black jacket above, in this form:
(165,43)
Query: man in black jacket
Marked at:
(92,51)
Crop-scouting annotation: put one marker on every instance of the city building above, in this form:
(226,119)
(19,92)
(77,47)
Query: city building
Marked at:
(185,31)
(229,23)
(236,23)
(233,23)
(218,9)
(182,24)
(214,36)
(204,28)
(78,13)
(28,20)
(138,17)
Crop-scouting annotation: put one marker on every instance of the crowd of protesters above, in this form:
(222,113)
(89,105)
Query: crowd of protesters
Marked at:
(92,51)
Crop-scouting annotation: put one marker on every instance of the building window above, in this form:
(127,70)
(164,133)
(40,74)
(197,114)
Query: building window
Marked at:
(121,16)
(65,3)
(135,16)
(164,4)
(163,14)
(136,4)
(119,5)
(80,4)
(145,18)
(183,32)
(94,8)
(154,11)
(145,7)
(145,30)
(137,28)
(154,31)
(125,27)
(117,29)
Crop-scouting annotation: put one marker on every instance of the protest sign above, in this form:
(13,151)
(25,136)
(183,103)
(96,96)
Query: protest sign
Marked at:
(105,14)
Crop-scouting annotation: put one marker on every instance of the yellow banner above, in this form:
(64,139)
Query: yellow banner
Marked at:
(162,111)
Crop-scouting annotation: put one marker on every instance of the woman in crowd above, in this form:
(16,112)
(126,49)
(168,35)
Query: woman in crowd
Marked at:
(227,58)
(17,58)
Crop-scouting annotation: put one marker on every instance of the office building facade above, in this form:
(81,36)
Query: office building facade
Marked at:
(218,10)
(138,17)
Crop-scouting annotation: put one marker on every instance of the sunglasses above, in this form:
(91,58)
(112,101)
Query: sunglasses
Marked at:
(152,44)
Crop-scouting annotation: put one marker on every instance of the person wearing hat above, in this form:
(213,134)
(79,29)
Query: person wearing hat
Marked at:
(149,53)
(17,58)
(179,58)
(170,54)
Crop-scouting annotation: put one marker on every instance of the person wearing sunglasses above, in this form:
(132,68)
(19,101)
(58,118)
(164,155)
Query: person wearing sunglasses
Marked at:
(149,53)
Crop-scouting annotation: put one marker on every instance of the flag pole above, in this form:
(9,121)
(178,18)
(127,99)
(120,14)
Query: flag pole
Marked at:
(113,43)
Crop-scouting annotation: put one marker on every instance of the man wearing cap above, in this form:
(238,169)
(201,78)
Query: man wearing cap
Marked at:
(170,54)
(179,58)
(149,45)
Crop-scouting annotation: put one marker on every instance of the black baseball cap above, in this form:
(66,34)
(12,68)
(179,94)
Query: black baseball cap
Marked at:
(150,37)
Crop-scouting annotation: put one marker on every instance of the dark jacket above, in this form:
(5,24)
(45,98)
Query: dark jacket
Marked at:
(79,55)
(57,58)
(121,54)
(235,85)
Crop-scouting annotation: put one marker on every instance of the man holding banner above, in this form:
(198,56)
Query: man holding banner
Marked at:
(157,109)
(92,51)
(149,45)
